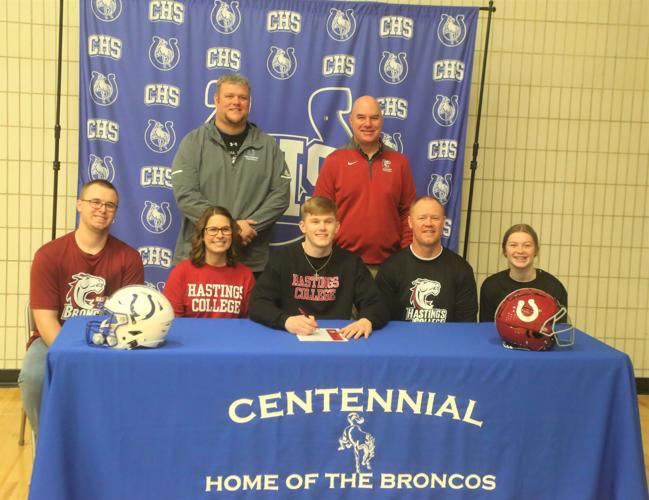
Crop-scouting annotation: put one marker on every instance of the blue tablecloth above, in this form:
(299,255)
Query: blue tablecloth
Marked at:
(231,409)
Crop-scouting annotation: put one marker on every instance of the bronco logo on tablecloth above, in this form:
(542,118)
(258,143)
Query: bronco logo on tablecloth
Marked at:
(355,403)
(363,443)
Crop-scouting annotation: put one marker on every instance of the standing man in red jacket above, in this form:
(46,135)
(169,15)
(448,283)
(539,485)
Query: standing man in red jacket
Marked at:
(372,186)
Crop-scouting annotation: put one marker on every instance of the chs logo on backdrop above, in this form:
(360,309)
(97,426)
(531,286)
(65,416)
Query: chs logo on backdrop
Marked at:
(396,26)
(304,154)
(440,187)
(156,217)
(448,69)
(105,46)
(161,94)
(225,17)
(160,137)
(338,64)
(393,107)
(223,58)
(155,176)
(103,88)
(393,67)
(341,24)
(445,110)
(442,149)
(393,141)
(281,63)
(283,21)
(154,256)
(106,10)
(166,11)
(451,31)
(164,53)
(101,129)
(101,167)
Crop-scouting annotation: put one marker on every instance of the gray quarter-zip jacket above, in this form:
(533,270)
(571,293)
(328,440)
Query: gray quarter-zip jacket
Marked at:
(255,186)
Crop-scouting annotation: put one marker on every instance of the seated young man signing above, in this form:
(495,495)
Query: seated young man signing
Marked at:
(314,279)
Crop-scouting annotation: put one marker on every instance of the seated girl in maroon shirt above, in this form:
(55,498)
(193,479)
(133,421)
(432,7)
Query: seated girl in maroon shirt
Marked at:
(211,283)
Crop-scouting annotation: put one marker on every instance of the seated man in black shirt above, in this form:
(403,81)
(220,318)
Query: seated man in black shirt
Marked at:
(314,278)
(426,282)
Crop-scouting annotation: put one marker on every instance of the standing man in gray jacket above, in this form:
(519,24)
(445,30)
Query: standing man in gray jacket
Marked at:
(232,163)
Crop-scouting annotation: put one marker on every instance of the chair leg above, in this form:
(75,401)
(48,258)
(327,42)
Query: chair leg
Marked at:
(21,434)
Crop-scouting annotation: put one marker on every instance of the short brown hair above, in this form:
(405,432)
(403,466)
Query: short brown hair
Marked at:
(197,253)
(98,182)
(520,228)
(234,79)
(318,205)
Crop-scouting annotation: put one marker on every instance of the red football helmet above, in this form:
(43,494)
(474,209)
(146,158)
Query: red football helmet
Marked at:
(528,319)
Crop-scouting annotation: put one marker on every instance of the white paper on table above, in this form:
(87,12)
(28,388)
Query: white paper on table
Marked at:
(323,335)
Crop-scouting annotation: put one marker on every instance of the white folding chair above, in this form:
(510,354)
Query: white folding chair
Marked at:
(30,327)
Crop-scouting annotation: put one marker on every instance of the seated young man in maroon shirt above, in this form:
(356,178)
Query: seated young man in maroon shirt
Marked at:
(72,276)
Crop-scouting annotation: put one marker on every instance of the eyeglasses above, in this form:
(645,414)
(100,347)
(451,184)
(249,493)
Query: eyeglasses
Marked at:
(97,204)
(213,231)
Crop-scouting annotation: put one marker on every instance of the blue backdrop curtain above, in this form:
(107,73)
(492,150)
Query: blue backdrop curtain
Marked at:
(148,74)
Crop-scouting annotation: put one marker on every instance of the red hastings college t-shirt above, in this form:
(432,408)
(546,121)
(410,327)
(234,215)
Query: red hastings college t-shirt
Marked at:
(208,291)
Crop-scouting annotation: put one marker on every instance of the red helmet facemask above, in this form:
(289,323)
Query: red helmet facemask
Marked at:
(533,320)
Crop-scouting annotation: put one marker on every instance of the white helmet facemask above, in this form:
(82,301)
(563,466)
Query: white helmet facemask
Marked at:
(139,316)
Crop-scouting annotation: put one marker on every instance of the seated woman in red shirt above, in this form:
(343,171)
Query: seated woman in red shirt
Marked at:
(211,283)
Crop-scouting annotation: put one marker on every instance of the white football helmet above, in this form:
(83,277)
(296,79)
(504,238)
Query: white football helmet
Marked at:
(140,316)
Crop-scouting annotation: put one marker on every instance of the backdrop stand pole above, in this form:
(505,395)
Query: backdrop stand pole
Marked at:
(56,164)
(476,145)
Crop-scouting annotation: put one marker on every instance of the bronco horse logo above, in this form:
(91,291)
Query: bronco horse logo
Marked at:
(156,217)
(281,64)
(225,17)
(81,286)
(423,290)
(341,25)
(101,167)
(103,88)
(357,439)
(160,137)
(164,54)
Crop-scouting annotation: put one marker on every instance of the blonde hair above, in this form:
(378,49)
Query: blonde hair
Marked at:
(318,205)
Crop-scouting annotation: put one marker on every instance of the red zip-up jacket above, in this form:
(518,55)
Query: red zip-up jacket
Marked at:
(373,199)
